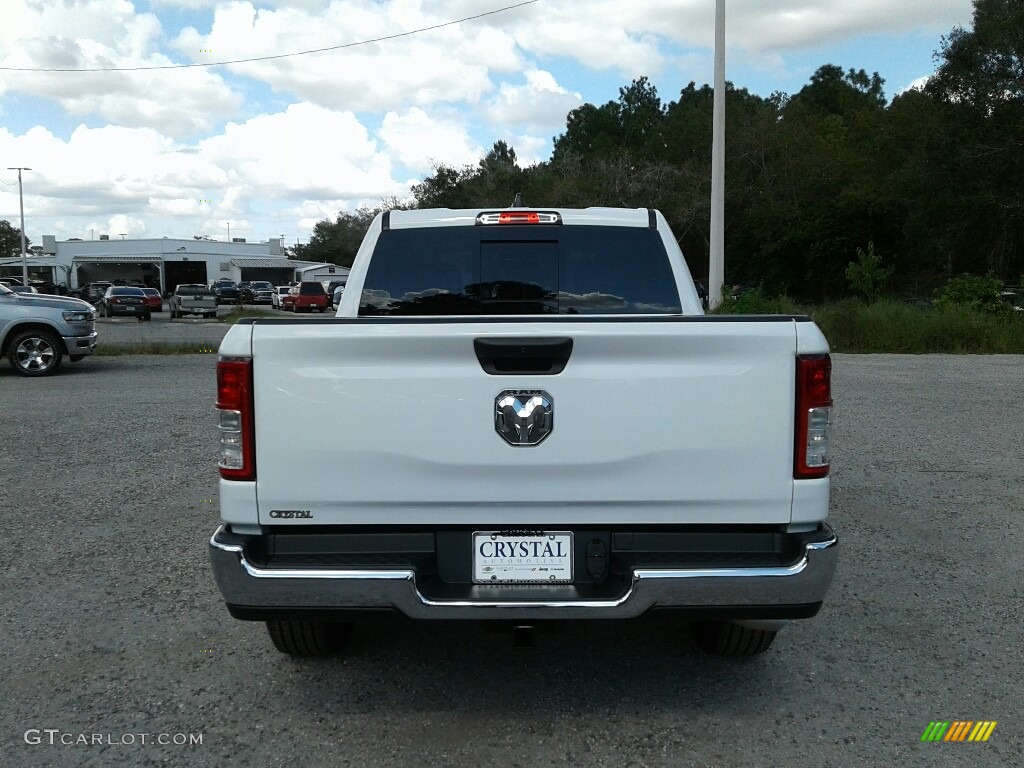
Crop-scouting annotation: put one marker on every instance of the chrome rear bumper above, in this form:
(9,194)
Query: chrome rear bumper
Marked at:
(799,585)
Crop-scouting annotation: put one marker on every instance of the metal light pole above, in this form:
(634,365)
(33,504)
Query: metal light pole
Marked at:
(24,247)
(716,267)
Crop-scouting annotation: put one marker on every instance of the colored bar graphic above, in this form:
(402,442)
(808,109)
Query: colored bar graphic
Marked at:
(982,731)
(958,730)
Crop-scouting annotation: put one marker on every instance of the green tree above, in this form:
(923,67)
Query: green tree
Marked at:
(493,182)
(980,83)
(10,239)
(336,242)
(974,291)
(812,188)
(631,125)
(831,91)
(866,275)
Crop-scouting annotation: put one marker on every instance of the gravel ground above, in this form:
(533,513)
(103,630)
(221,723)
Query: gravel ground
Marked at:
(111,623)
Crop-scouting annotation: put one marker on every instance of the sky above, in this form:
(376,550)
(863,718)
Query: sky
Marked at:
(141,129)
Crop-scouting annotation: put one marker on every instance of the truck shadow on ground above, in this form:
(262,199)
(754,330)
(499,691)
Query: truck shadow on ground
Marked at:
(461,668)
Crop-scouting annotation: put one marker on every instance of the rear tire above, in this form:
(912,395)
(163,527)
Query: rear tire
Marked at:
(723,638)
(308,638)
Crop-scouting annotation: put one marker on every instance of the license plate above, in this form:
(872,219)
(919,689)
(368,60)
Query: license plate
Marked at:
(518,557)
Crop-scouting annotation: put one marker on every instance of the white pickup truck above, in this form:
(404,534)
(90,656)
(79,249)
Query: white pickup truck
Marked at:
(523,415)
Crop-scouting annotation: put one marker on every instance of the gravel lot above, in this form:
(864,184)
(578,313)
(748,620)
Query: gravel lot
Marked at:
(111,623)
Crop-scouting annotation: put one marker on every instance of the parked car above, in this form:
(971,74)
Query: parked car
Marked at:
(1013,297)
(288,300)
(92,292)
(19,288)
(37,331)
(156,304)
(226,291)
(257,292)
(277,300)
(305,297)
(124,301)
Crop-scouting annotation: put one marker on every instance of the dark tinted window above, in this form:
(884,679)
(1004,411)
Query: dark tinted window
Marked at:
(126,292)
(515,270)
(311,289)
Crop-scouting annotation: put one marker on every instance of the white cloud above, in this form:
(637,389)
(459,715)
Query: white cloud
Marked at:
(131,226)
(419,141)
(303,153)
(631,38)
(811,24)
(103,34)
(306,150)
(540,104)
(430,67)
(914,85)
(531,150)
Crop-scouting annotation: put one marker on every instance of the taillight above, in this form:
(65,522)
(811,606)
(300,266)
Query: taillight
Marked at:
(235,410)
(813,416)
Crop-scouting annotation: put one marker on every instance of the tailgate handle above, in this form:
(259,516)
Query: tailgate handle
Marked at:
(520,356)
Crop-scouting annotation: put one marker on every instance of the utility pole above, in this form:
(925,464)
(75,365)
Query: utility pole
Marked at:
(24,246)
(716,266)
(229,231)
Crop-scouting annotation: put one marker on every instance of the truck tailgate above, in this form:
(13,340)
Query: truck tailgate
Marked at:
(681,420)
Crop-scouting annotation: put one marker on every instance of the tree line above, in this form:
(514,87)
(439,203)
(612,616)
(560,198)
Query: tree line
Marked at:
(930,183)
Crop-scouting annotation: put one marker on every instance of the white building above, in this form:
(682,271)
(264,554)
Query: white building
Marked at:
(160,263)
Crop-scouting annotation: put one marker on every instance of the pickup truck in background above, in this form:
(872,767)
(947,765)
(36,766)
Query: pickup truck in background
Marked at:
(192,299)
(529,417)
(38,330)
(226,291)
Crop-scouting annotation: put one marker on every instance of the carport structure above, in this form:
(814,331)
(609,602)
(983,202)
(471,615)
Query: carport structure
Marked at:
(276,271)
(43,269)
(165,263)
(146,269)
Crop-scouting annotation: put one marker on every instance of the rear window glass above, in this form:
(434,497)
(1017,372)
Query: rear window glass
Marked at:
(311,289)
(126,292)
(519,270)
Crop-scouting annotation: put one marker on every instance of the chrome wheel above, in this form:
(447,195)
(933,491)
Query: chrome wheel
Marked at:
(35,353)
